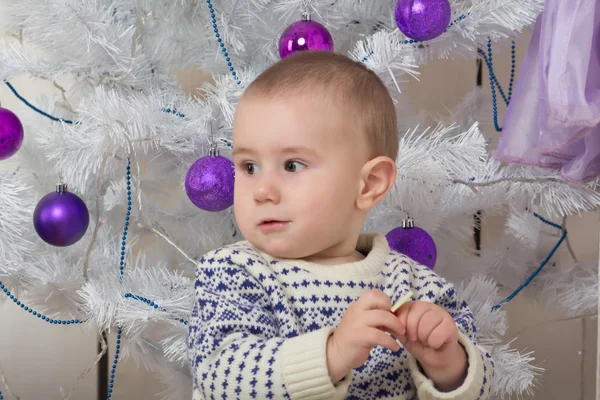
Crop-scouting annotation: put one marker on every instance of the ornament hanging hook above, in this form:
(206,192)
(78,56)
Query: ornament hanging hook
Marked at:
(61,187)
(407,222)
(61,181)
(214,151)
(305,10)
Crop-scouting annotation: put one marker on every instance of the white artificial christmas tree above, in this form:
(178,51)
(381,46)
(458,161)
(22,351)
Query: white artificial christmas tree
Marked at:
(122,106)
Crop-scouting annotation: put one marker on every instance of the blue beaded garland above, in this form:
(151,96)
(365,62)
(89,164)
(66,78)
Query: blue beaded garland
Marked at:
(35,313)
(121,269)
(542,265)
(494,80)
(220,41)
(125,228)
(151,304)
(114,365)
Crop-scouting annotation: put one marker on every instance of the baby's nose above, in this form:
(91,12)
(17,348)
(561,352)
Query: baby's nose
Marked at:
(267,191)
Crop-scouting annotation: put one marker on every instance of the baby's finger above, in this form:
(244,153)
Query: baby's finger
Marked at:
(402,339)
(401,301)
(376,337)
(374,299)
(414,316)
(402,312)
(385,320)
(428,322)
(444,333)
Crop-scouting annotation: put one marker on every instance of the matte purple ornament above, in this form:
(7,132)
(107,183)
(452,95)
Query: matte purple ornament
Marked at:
(415,243)
(422,19)
(304,35)
(209,183)
(61,218)
(11,133)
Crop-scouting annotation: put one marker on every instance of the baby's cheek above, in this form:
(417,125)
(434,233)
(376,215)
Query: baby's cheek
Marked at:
(243,215)
(316,209)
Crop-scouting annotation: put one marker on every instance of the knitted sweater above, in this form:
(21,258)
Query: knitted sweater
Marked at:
(260,325)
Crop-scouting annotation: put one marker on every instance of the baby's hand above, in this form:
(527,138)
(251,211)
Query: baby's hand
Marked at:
(363,326)
(432,338)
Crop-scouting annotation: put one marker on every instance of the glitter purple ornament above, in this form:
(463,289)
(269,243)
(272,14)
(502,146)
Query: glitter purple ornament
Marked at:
(413,242)
(11,133)
(61,218)
(304,35)
(209,182)
(422,19)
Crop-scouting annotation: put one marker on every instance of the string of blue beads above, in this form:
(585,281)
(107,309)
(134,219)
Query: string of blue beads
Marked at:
(151,304)
(121,269)
(544,220)
(492,74)
(542,265)
(113,370)
(35,313)
(34,108)
(66,121)
(220,41)
(494,82)
(168,110)
(513,62)
(127,217)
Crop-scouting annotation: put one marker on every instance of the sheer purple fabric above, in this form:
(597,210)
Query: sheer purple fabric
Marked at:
(553,119)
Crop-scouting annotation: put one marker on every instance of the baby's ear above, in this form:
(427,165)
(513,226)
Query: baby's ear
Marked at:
(377,178)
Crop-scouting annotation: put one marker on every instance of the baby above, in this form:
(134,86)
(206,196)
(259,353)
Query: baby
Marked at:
(302,309)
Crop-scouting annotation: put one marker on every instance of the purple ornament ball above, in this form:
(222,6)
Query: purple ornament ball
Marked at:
(415,243)
(305,35)
(209,183)
(11,133)
(61,218)
(422,19)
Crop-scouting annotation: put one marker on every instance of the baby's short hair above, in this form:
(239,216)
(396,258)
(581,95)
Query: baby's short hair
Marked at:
(347,82)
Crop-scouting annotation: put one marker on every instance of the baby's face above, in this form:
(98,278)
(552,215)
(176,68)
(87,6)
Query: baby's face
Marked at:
(297,174)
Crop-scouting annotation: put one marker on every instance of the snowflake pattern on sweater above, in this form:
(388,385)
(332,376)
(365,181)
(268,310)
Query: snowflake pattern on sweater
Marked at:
(259,327)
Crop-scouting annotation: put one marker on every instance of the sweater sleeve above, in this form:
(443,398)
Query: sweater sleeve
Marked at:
(480,365)
(233,342)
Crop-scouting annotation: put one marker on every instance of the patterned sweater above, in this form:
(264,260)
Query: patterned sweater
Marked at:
(260,325)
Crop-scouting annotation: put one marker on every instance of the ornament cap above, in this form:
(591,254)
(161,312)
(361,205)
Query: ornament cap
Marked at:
(62,188)
(214,151)
(306,16)
(408,223)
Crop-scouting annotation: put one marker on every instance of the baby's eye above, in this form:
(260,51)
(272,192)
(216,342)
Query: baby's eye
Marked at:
(294,166)
(250,168)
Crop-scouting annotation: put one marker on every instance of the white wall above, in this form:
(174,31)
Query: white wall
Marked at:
(39,358)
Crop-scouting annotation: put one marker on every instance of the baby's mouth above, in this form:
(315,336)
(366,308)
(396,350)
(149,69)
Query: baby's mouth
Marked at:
(272,225)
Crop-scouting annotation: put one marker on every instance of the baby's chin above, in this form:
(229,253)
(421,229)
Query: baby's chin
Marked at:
(280,247)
